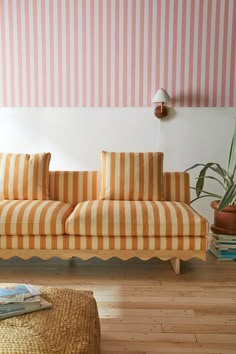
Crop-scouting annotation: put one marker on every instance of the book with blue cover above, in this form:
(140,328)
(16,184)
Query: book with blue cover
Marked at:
(6,299)
(26,303)
(11,312)
(222,254)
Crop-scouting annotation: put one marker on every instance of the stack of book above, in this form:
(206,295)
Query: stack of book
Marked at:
(223,246)
(19,299)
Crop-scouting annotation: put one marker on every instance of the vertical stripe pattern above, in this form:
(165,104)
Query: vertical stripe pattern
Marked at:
(33,217)
(96,243)
(74,186)
(176,187)
(78,186)
(135,218)
(131,176)
(24,176)
(117,53)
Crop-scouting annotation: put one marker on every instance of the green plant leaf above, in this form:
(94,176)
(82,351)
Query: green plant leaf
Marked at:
(220,170)
(232,156)
(202,175)
(228,198)
(194,166)
(206,194)
(227,176)
(214,178)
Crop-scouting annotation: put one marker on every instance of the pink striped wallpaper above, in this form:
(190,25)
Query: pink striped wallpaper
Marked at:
(117,53)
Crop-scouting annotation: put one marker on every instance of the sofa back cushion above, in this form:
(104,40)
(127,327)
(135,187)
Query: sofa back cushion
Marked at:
(78,186)
(131,176)
(24,176)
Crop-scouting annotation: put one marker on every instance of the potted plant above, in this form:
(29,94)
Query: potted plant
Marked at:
(225,204)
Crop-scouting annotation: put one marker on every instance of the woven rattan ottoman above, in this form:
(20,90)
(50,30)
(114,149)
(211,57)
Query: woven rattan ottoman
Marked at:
(70,326)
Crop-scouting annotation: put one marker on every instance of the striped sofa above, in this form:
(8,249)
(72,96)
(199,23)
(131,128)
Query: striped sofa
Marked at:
(75,222)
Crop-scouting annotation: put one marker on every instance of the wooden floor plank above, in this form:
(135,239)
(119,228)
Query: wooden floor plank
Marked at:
(138,327)
(216,311)
(148,337)
(199,328)
(216,338)
(171,320)
(164,300)
(135,293)
(198,308)
(154,328)
(137,312)
(162,347)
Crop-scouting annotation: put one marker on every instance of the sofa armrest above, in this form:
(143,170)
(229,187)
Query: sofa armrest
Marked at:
(176,187)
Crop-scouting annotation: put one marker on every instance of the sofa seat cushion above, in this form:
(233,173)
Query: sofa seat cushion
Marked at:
(135,218)
(33,217)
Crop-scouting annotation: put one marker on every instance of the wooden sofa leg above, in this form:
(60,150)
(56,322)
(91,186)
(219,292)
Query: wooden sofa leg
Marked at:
(175,262)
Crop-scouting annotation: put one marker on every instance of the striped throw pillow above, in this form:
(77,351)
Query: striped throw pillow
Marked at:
(24,176)
(131,176)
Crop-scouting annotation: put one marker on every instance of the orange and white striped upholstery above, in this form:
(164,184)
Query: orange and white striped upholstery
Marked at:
(131,176)
(77,186)
(24,176)
(135,218)
(69,242)
(33,217)
(74,186)
(176,187)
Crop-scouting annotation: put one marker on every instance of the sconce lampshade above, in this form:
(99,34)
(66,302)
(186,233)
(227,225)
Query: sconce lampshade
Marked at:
(162,97)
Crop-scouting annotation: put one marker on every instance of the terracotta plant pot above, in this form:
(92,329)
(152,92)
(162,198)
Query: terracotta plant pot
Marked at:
(224,220)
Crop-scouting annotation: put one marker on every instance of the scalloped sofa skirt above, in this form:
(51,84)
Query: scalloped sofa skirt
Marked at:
(75,219)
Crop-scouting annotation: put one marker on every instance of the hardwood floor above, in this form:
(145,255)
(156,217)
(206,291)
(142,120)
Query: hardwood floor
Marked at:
(144,307)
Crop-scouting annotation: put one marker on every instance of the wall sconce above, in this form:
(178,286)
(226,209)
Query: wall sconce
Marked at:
(161,97)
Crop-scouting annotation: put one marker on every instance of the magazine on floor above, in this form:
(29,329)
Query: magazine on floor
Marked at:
(19,289)
(19,299)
